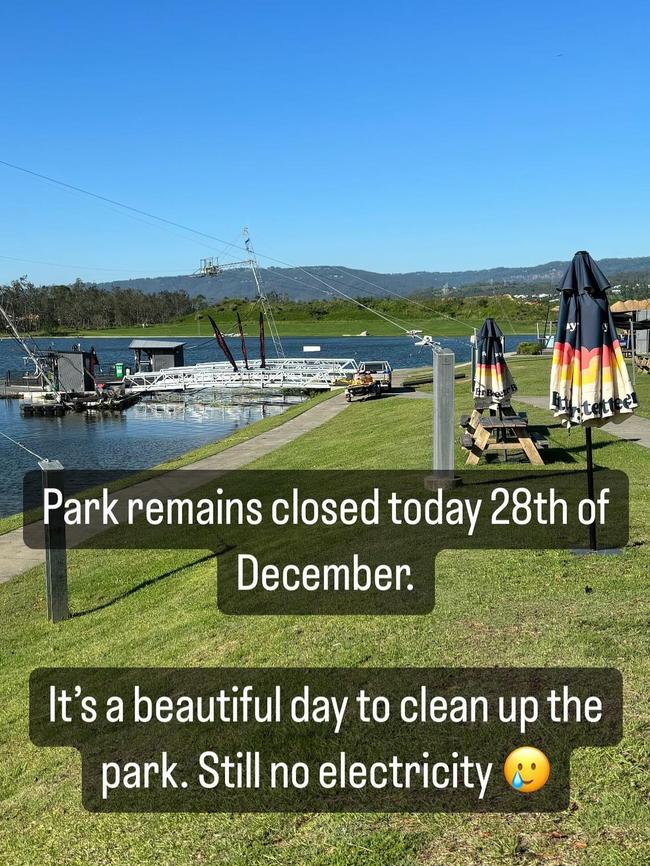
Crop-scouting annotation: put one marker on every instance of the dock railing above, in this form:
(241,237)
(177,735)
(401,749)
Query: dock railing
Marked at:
(284,373)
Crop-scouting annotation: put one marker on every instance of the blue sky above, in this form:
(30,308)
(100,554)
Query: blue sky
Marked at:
(389,136)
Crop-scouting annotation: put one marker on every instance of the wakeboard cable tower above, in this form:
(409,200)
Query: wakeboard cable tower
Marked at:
(212,267)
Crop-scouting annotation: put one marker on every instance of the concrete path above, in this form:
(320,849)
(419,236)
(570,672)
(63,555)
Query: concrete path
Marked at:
(633,429)
(16,557)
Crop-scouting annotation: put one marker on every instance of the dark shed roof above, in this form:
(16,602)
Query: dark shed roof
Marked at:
(155,344)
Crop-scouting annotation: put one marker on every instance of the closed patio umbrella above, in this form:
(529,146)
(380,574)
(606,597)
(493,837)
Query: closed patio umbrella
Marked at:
(590,384)
(493,384)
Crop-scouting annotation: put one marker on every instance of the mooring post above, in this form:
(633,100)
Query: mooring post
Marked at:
(444,457)
(473,357)
(56,562)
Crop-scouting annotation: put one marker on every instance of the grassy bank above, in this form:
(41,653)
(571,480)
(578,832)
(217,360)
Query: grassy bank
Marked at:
(499,608)
(376,327)
(450,316)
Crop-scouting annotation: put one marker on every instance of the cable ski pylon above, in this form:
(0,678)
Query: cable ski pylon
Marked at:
(212,267)
(267,310)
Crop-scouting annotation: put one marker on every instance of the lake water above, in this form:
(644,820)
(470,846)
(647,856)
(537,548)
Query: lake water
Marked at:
(154,431)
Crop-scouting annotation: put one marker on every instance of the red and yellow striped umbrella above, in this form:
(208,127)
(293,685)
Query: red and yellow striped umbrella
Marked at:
(590,384)
(493,385)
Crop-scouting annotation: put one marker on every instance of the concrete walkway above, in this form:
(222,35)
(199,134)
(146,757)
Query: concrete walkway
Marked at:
(633,429)
(16,557)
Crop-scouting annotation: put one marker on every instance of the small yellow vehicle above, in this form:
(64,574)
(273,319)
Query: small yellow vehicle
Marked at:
(364,386)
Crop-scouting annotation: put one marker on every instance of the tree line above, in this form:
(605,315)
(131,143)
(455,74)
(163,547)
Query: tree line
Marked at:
(84,306)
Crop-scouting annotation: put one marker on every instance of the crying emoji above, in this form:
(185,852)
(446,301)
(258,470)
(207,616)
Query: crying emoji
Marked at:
(527,769)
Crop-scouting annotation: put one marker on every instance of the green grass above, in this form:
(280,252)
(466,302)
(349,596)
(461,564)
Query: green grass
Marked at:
(439,327)
(512,608)
(642,388)
(450,316)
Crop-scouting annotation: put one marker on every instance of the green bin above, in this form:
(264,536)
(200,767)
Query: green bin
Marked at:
(119,370)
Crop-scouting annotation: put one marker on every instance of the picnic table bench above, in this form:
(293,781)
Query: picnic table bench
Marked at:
(507,432)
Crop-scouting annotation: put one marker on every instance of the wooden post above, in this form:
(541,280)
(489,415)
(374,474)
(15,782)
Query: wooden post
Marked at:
(56,563)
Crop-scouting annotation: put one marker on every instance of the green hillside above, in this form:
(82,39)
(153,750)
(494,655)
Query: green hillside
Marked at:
(444,317)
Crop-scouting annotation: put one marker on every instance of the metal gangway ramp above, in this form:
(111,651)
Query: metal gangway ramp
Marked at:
(305,374)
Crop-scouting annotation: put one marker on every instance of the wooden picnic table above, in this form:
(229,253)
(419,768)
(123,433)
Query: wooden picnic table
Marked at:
(506,432)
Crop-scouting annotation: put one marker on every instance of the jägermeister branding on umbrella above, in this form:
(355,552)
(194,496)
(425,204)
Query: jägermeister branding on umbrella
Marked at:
(493,384)
(590,383)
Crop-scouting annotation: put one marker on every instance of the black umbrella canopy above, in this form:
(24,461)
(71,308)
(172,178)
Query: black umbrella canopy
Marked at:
(490,331)
(583,275)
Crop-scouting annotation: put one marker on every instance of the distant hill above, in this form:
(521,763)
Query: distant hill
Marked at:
(297,285)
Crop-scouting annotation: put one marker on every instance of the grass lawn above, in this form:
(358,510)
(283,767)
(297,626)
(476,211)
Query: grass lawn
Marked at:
(377,327)
(642,388)
(493,608)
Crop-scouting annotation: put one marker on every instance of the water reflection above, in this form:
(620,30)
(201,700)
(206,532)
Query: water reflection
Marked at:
(146,434)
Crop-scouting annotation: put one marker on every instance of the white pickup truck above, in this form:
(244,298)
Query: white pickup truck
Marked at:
(381,372)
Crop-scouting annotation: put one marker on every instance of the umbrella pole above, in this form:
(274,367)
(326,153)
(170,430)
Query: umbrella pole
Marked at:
(590,486)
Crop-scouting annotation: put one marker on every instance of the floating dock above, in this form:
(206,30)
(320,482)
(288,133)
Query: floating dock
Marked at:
(44,408)
(49,404)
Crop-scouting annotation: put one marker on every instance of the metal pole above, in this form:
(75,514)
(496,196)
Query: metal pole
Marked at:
(593,544)
(633,347)
(473,344)
(56,563)
(46,384)
(443,415)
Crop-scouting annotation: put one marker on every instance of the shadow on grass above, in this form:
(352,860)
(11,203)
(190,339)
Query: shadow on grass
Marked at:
(580,448)
(396,390)
(554,453)
(565,453)
(150,581)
